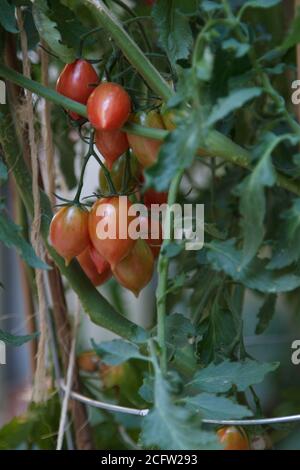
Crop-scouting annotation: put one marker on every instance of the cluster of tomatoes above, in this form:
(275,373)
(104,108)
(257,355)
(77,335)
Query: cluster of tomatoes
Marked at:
(73,230)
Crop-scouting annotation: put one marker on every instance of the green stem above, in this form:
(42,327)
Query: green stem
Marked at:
(163,270)
(129,48)
(99,310)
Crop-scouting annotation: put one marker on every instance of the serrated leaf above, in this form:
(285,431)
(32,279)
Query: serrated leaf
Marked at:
(117,351)
(222,377)
(10,235)
(235,100)
(253,206)
(214,407)
(7,17)
(174,31)
(287,248)
(223,256)
(173,427)
(265,314)
(47,29)
(14,340)
(177,152)
(68,24)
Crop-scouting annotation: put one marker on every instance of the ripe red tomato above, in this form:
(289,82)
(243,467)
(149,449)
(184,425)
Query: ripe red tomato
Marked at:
(154,197)
(111,145)
(136,270)
(108,107)
(111,214)
(76,82)
(88,361)
(153,229)
(146,150)
(95,267)
(233,438)
(69,232)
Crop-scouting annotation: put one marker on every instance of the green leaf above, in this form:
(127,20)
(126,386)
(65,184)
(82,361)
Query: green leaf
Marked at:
(179,330)
(173,427)
(222,377)
(10,235)
(253,206)
(287,248)
(174,31)
(213,407)
(14,340)
(223,256)
(117,351)
(7,17)
(3,172)
(235,100)
(265,314)
(293,36)
(177,151)
(47,29)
